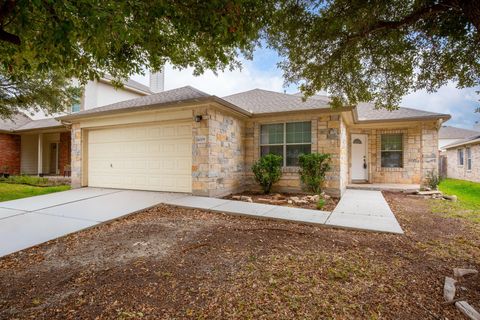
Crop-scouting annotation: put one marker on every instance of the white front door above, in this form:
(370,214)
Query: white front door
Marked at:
(359,157)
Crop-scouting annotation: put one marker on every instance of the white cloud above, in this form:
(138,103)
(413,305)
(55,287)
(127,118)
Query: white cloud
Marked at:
(224,83)
(460,103)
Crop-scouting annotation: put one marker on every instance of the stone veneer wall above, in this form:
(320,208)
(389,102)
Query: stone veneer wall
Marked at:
(420,154)
(456,171)
(10,152)
(218,166)
(327,133)
(76,156)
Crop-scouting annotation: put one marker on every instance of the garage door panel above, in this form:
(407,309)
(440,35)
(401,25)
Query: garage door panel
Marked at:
(154,157)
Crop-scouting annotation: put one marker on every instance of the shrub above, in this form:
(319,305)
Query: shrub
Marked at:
(313,168)
(432,180)
(267,171)
(320,203)
(31,181)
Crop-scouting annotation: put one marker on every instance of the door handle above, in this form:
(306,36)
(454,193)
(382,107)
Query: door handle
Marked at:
(364,163)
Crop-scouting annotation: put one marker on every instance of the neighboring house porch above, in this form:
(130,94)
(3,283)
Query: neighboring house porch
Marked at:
(35,147)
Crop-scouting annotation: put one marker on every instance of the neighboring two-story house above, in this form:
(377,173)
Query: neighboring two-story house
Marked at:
(42,146)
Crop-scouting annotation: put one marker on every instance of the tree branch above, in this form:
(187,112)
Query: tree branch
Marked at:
(417,15)
(8,37)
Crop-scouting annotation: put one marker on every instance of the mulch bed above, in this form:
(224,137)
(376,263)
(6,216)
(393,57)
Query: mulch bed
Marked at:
(170,263)
(257,197)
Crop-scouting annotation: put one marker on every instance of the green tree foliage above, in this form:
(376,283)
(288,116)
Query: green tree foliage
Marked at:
(268,170)
(313,168)
(49,42)
(377,50)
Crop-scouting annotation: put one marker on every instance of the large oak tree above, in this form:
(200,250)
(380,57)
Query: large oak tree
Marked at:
(377,50)
(45,43)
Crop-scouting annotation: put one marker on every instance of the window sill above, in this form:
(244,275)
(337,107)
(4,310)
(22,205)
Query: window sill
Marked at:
(290,169)
(391,169)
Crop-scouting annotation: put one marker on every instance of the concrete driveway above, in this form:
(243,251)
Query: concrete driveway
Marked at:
(31,221)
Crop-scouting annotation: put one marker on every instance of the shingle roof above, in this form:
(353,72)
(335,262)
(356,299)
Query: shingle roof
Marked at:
(40,124)
(469,140)
(132,84)
(259,101)
(179,95)
(367,112)
(448,132)
(18,119)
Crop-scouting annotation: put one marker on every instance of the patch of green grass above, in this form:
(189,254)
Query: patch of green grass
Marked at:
(10,191)
(468,204)
(32,181)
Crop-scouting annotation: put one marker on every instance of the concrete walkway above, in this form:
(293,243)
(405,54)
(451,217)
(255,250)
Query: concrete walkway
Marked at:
(364,210)
(31,221)
(357,209)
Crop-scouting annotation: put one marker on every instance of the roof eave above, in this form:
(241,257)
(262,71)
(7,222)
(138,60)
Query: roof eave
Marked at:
(463,143)
(127,87)
(444,117)
(325,110)
(75,117)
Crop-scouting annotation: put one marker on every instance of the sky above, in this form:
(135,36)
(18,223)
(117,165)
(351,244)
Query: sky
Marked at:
(262,72)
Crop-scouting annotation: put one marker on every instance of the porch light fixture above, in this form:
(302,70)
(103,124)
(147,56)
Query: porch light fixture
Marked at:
(198,118)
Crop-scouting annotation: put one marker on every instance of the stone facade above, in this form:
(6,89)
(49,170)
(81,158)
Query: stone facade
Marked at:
(326,138)
(10,152)
(456,171)
(218,166)
(226,144)
(64,152)
(420,145)
(76,156)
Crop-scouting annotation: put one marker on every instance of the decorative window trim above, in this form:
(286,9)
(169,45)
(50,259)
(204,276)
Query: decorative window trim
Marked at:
(285,168)
(379,150)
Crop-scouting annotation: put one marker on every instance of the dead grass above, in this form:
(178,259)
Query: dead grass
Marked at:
(170,263)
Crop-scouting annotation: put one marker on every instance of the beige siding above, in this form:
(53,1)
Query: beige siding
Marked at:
(29,153)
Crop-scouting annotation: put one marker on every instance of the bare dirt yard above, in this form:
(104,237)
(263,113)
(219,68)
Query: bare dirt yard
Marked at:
(170,263)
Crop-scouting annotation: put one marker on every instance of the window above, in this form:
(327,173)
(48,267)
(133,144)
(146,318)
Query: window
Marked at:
(288,140)
(76,107)
(392,150)
(469,158)
(460,157)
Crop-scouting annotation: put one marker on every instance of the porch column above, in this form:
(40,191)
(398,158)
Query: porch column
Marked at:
(40,154)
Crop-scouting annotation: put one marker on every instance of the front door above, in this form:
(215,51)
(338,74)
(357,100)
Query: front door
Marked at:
(359,168)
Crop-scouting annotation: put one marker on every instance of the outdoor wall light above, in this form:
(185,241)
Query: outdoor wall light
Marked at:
(198,118)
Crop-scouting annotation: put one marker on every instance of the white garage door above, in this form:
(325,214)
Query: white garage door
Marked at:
(148,157)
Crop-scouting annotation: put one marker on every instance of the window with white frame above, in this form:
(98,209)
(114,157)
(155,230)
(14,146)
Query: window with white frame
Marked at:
(392,150)
(460,157)
(289,140)
(468,153)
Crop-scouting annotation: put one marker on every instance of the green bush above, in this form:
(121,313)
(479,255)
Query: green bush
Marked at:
(267,171)
(432,180)
(320,203)
(313,168)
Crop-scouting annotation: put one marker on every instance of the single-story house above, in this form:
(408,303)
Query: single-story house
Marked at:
(448,135)
(185,140)
(463,159)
